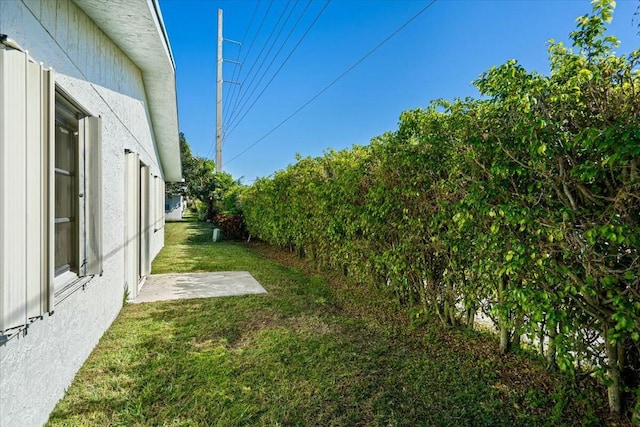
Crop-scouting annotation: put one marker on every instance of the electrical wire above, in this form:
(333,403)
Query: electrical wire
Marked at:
(251,87)
(234,102)
(236,70)
(235,124)
(358,62)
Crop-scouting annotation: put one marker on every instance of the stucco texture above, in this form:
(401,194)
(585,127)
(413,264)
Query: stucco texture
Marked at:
(37,365)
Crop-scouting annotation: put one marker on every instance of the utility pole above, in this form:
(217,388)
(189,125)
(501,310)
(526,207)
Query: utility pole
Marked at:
(219,98)
(219,81)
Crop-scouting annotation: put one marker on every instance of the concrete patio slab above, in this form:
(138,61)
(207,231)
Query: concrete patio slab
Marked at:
(162,287)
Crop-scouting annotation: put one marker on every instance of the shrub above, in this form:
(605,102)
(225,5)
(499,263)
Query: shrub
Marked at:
(232,226)
(523,205)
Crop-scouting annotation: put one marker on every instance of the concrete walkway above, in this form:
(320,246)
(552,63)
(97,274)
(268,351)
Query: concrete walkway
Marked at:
(162,287)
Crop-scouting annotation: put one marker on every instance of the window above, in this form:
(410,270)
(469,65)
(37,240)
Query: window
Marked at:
(66,185)
(50,192)
(77,193)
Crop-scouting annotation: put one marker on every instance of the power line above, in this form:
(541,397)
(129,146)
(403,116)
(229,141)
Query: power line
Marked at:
(270,45)
(235,124)
(358,62)
(235,102)
(250,85)
(236,70)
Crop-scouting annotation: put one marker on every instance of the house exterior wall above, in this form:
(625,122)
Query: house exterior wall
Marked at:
(37,365)
(174,207)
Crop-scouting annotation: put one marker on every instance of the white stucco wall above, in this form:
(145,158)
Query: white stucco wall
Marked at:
(37,366)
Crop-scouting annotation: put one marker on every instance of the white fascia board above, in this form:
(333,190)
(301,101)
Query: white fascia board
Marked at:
(136,27)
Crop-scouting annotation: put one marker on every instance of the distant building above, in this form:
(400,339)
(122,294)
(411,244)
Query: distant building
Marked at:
(174,206)
(88,138)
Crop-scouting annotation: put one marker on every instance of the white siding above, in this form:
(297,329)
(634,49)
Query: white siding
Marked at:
(91,69)
(132,228)
(25,109)
(13,186)
(76,46)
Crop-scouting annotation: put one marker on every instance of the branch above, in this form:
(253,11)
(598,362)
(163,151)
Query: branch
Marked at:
(511,156)
(593,198)
(589,302)
(565,188)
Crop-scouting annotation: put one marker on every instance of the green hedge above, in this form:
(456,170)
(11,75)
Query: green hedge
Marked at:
(524,205)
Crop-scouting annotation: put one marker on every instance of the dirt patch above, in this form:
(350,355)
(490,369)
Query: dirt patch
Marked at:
(248,330)
(309,325)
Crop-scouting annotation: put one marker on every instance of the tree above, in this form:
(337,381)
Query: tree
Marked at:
(187,166)
(216,190)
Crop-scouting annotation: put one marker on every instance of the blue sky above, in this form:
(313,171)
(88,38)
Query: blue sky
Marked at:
(437,55)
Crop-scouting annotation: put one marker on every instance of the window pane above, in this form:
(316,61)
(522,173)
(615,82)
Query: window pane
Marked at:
(65,148)
(65,206)
(66,188)
(64,246)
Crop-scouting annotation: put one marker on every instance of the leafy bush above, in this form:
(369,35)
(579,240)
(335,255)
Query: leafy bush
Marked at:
(232,226)
(200,209)
(212,192)
(523,205)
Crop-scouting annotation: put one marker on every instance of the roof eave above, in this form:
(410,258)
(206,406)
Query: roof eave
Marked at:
(137,28)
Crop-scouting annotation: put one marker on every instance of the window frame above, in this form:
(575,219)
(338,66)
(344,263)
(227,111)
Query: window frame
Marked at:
(67,118)
(29,287)
(67,282)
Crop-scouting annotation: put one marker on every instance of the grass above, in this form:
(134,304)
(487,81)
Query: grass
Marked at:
(315,351)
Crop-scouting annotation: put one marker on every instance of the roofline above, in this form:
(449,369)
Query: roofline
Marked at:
(156,8)
(139,32)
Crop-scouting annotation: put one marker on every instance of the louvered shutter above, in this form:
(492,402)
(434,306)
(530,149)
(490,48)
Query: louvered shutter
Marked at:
(132,226)
(26,140)
(90,196)
(145,221)
(159,203)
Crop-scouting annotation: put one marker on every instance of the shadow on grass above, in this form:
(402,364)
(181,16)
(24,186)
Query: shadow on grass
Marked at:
(198,233)
(296,357)
(246,361)
(201,368)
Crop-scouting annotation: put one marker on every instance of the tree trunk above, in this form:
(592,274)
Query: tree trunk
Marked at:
(504,338)
(541,335)
(470,318)
(503,318)
(210,211)
(551,347)
(516,339)
(453,320)
(441,315)
(614,389)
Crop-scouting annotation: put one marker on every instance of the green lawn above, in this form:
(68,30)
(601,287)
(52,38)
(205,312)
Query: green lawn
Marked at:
(315,351)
